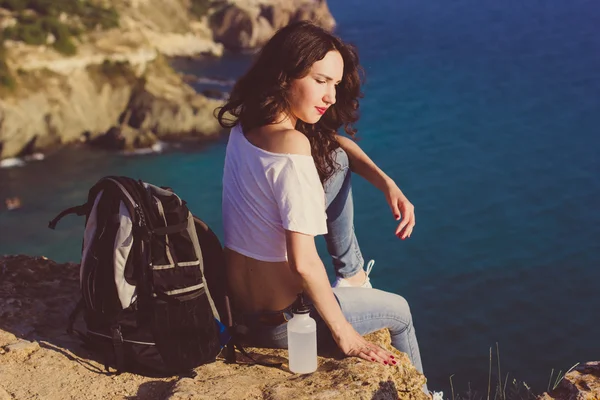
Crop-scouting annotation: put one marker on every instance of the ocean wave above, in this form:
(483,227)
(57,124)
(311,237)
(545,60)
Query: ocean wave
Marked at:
(157,147)
(34,157)
(214,81)
(13,162)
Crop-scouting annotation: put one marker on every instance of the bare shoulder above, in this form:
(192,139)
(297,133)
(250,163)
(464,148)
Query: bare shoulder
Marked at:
(291,141)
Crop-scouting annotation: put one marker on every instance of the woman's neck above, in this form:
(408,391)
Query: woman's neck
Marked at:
(287,121)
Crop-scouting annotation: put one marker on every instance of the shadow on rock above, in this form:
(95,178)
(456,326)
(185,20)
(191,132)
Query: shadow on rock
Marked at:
(36,297)
(386,390)
(152,389)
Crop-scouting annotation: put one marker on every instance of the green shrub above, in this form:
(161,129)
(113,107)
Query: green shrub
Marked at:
(114,73)
(13,5)
(65,46)
(28,32)
(106,18)
(37,19)
(6,79)
(34,28)
(199,8)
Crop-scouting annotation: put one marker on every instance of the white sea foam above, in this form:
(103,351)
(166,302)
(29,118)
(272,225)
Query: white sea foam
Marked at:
(214,81)
(35,157)
(11,162)
(19,162)
(157,147)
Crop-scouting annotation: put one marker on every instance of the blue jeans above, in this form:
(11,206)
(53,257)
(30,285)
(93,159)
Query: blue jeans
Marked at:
(367,310)
(340,238)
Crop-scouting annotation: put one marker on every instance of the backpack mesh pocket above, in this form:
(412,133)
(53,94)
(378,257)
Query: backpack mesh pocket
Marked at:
(185,332)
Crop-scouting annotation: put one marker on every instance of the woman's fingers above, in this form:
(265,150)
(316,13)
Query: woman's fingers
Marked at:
(408,230)
(355,345)
(395,209)
(403,224)
(406,226)
(374,356)
(372,352)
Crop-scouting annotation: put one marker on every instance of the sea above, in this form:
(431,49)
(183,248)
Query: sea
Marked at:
(487,116)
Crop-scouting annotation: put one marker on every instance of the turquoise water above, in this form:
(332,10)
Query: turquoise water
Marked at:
(487,116)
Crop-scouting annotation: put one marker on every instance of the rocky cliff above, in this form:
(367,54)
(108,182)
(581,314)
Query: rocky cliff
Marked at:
(38,360)
(582,382)
(119,77)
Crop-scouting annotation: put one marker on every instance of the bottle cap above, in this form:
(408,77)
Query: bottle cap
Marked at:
(299,306)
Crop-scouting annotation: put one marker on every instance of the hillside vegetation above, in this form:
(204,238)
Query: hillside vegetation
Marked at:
(60,24)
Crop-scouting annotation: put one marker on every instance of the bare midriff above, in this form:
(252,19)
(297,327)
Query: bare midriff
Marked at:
(256,285)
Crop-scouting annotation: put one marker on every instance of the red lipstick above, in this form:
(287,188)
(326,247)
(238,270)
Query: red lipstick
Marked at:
(321,110)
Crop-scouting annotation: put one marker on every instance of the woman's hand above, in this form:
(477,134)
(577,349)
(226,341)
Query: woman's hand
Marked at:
(353,344)
(401,208)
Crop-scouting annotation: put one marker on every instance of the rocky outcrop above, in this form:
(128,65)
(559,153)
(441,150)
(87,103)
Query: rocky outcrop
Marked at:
(39,360)
(581,383)
(61,98)
(93,99)
(250,24)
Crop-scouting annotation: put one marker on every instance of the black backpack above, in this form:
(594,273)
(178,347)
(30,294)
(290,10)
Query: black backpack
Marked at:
(146,268)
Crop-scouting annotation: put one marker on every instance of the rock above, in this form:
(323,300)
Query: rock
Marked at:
(247,25)
(143,139)
(582,383)
(93,100)
(4,394)
(6,338)
(348,378)
(234,27)
(43,292)
(53,109)
(213,94)
(125,138)
(172,109)
(22,348)
(113,139)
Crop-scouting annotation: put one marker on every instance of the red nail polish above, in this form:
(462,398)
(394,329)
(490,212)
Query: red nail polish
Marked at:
(385,362)
(394,362)
(372,359)
(392,357)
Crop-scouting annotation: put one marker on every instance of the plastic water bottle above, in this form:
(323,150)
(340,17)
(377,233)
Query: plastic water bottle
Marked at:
(302,340)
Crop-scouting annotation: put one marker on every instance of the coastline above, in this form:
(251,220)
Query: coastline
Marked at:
(118,91)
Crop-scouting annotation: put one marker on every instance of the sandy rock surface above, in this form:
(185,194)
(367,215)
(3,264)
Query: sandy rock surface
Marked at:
(38,360)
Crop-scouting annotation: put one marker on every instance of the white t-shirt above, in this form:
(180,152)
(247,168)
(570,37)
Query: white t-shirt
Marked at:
(264,194)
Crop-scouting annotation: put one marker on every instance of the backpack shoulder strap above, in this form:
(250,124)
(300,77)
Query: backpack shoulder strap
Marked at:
(230,355)
(79,210)
(83,209)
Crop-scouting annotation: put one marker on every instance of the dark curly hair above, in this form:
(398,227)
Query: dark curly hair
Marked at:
(260,95)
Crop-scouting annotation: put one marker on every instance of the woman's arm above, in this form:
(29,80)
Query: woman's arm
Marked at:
(305,261)
(361,164)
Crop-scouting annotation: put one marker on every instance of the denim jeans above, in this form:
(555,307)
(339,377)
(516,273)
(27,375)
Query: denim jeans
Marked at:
(340,238)
(367,310)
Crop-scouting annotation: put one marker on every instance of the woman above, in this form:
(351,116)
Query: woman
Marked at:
(287,179)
